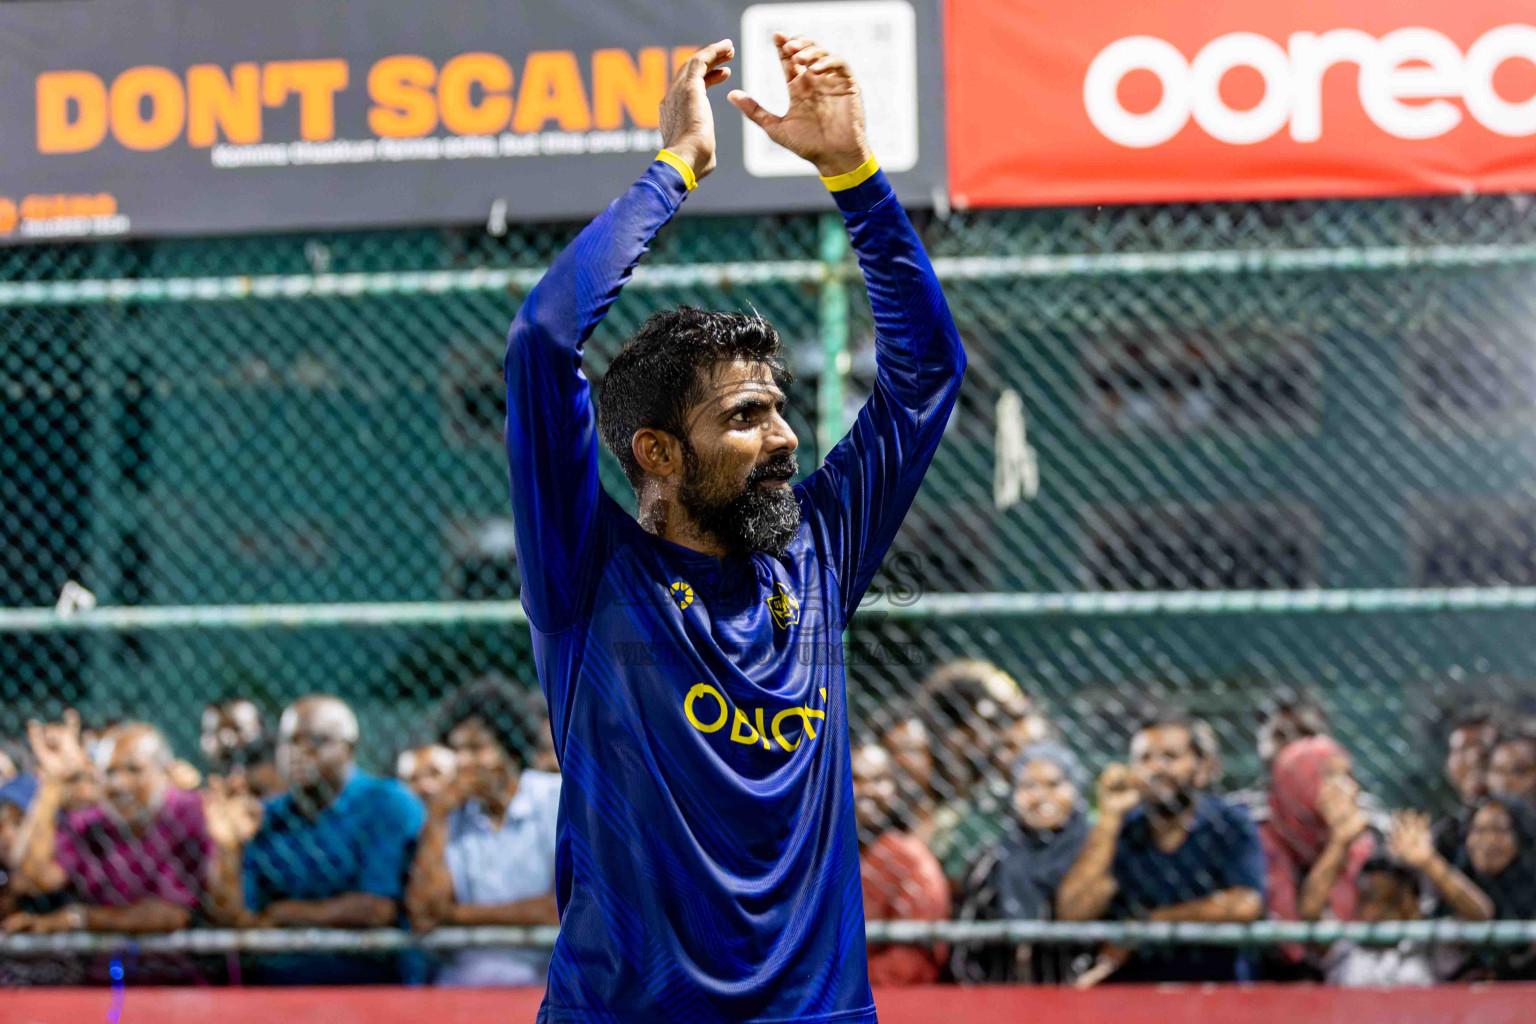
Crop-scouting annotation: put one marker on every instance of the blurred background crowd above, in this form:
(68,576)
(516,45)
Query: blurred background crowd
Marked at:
(970,801)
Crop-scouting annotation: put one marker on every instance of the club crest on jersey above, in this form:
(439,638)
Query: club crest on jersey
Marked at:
(785,609)
(682,593)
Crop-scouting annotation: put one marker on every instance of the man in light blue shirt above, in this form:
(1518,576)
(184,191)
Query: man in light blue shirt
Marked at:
(487,853)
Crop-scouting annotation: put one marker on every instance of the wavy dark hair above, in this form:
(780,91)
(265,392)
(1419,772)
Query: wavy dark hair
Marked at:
(510,713)
(661,373)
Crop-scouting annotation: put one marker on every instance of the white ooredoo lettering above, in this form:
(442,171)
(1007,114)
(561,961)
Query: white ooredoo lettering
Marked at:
(1410,64)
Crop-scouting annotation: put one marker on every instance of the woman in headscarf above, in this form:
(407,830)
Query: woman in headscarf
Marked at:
(1017,878)
(1316,840)
(1500,858)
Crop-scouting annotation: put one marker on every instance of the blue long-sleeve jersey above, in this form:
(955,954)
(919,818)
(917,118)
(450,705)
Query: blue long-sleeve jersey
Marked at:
(707,867)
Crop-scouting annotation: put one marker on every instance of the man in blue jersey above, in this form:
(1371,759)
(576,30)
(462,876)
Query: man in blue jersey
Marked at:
(707,863)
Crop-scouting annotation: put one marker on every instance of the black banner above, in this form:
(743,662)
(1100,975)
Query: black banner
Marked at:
(162,117)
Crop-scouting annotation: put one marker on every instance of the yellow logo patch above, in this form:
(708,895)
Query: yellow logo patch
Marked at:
(785,609)
(682,593)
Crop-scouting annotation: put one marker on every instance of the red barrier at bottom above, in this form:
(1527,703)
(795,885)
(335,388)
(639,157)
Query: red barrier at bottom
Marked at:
(1291,1004)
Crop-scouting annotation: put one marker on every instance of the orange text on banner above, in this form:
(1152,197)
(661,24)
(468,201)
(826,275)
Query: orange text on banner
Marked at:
(148,108)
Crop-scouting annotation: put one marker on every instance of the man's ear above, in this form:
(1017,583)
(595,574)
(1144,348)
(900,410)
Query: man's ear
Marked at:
(657,451)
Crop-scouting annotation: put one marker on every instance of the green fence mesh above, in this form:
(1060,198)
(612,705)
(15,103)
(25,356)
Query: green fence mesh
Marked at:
(1222,397)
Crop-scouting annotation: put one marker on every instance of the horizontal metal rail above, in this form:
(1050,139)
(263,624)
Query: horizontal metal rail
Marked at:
(128,618)
(1263,933)
(682,275)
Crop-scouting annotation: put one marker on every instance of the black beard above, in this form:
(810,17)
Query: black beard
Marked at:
(754,518)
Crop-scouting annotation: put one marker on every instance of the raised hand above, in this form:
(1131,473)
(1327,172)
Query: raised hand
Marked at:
(1337,806)
(1411,841)
(825,120)
(232,818)
(1118,791)
(57,747)
(687,123)
(447,799)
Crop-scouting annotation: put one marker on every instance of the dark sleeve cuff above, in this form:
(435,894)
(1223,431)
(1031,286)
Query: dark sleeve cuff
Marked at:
(866,195)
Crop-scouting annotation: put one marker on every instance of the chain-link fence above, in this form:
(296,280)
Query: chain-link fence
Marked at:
(1167,410)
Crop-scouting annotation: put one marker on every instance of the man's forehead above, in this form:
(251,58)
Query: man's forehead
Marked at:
(909,732)
(870,762)
(132,745)
(1161,737)
(472,727)
(729,380)
(318,715)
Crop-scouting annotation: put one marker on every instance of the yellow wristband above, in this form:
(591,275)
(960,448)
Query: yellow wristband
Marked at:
(666,156)
(857,176)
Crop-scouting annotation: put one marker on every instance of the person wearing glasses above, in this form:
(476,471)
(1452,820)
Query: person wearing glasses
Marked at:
(331,852)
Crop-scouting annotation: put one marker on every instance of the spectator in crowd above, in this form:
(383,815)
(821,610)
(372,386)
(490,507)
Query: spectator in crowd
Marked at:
(910,745)
(137,863)
(487,853)
(1317,838)
(15,797)
(237,746)
(426,770)
(1466,766)
(1512,765)
(331,852)
(1500,856)
(1165,849)
(1290,716)
(981,721)
(1500,859)
(1389,891)
(1411,843)
(1018,878)
(901,879)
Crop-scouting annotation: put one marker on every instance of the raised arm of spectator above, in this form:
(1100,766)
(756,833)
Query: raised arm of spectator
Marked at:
(1341,856)
(1090,885)
(37,870)
(232,820)
(429,893)
(59,755)
(1412,842)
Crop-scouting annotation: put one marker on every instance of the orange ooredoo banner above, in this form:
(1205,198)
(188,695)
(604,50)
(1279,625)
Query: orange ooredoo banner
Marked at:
(1130,101)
